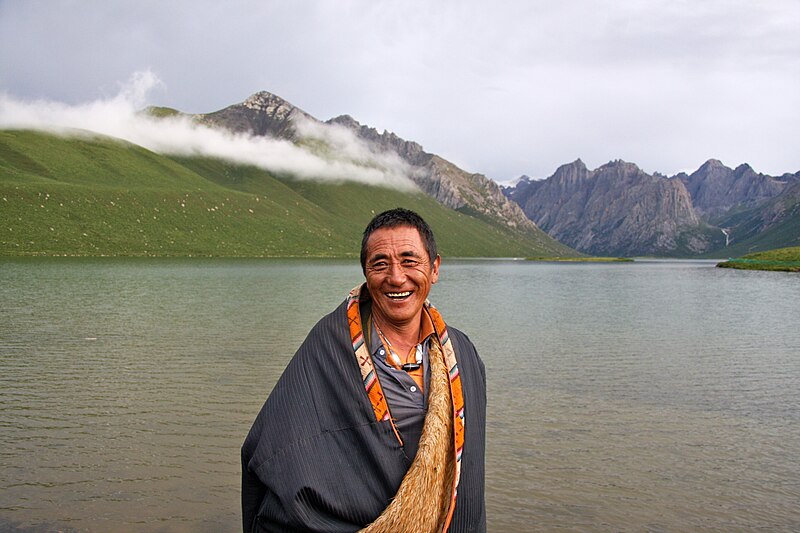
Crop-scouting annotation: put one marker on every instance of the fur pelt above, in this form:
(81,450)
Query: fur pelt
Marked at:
(422,502)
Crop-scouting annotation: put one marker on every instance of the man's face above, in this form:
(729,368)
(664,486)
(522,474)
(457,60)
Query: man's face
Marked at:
(399,275)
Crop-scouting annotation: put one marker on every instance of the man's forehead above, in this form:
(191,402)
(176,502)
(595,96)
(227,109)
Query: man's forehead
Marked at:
(403,240)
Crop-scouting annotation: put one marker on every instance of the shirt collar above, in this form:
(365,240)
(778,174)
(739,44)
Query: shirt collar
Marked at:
(426,330)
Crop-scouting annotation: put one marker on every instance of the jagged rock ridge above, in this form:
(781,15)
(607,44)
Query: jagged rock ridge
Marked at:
(614,210)
(439,178)
(716,189)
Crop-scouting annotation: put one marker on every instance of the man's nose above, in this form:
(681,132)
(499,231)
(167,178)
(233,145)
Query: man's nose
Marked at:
(397,274)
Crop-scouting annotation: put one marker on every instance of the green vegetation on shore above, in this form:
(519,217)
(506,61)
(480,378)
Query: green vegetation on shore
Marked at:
(95,196)
(782,259)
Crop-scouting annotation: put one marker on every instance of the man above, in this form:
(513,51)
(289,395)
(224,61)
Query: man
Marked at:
(377,423)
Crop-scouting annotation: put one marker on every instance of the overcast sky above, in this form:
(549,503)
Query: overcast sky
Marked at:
(500,88)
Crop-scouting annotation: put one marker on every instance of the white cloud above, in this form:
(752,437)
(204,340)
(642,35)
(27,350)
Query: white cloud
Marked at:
(346,158)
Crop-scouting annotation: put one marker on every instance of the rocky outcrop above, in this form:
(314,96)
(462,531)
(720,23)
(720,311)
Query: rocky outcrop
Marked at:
(616,209)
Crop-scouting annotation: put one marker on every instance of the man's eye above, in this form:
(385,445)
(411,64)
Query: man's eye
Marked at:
(410,262)
(379,266)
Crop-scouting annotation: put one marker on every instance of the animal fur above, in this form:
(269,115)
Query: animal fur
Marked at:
(422,502)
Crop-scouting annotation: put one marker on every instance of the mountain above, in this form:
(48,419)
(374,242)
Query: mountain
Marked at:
(716,189)
(96,196)
(267,114)
(616,209)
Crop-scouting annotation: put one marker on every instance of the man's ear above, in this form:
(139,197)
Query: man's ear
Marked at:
(435,268)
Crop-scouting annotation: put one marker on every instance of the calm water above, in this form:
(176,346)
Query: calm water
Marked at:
(654,396)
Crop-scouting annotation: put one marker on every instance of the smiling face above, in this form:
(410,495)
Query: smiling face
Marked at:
(399,276)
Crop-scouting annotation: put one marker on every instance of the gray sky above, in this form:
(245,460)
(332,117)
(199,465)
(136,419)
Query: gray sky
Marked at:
(500,88)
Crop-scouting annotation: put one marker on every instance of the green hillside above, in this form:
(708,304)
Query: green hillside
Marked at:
(782,259)
(90,195)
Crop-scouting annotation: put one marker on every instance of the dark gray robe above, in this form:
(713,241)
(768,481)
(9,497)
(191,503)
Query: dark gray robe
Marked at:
(316,459)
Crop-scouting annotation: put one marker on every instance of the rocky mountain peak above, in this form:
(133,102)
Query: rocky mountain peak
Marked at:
(621,167)
(578,164)
(267,102)
(263,113)
(712,166)
(711,163)
(571,172)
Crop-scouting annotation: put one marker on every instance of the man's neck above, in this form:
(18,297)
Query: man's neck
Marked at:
(402,336)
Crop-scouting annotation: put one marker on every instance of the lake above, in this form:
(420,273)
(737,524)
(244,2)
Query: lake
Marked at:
(646,396)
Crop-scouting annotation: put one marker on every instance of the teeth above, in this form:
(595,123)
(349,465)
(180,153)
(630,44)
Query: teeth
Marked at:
(398,294)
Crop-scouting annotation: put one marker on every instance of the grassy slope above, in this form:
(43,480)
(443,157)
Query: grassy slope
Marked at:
(782,259)
(97,196)
(781,235)
(346,208)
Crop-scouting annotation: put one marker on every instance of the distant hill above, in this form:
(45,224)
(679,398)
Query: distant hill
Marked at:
(91,195)
(618,209)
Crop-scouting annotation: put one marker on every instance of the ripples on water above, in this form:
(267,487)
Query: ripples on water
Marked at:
(658,396)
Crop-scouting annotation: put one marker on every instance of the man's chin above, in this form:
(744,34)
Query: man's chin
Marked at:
(401,313)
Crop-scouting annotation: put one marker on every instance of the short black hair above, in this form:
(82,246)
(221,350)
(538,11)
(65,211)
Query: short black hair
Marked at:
(399,217)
